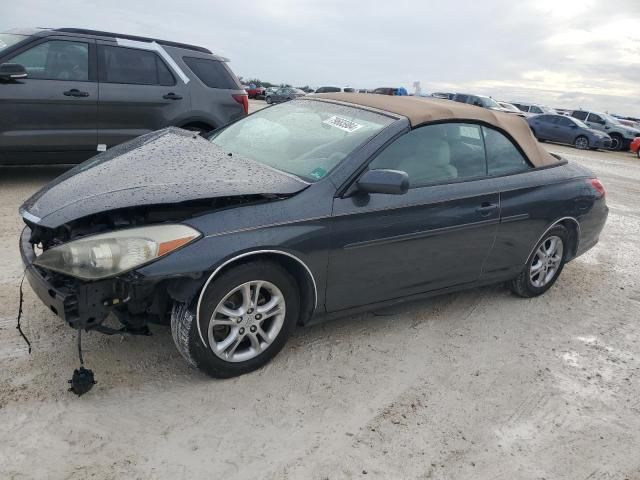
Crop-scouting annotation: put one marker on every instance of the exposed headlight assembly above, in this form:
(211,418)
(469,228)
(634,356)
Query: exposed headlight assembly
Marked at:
(108,254)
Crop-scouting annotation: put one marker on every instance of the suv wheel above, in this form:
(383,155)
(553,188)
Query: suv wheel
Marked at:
(617,142)
(246,317)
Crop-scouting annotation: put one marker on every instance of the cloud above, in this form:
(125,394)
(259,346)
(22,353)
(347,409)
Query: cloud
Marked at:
(566,53)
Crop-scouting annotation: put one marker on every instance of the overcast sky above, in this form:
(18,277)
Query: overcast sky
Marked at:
(565,53)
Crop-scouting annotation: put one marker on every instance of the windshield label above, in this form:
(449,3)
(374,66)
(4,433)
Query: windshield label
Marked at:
(343,124)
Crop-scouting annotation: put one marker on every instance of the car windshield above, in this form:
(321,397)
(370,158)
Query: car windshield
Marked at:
(580,123)
(609,118)
(9,39)
(306,138)
(489,102)
(508,106)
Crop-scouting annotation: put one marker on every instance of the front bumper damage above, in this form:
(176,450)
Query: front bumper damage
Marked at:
(81,304)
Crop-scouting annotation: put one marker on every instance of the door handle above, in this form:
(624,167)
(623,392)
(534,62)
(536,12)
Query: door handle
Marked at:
(172,96)
(486,209)
(74,92)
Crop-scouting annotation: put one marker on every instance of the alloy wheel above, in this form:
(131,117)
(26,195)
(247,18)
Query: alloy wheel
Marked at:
(246,321)
(581,143)
(546,261)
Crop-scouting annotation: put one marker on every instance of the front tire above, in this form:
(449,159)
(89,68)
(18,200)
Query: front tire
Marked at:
(581,143)
(617,142)
(246,316)
(269,100)
(544,265)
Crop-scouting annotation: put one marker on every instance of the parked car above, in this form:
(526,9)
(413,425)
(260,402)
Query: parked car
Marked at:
(628,123)
(254,91)
(284,94)
(621,135)
(531,109)
(385,91)
(335,89)
(316,208)
(561,129)
(479,101)
(635,146)
(67,93)
(443,95)
(510,108)
(270,90)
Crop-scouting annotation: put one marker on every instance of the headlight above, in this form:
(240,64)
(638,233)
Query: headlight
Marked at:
(109,254)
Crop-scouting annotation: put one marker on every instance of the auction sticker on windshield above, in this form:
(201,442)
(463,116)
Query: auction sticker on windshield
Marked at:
(343,124)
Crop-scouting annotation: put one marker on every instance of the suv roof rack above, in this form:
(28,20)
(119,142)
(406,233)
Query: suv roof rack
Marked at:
(100,33)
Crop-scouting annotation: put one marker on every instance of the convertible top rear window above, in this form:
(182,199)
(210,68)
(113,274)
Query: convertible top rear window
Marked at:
(304,137)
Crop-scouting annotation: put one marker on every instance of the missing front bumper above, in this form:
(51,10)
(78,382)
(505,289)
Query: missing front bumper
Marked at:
(82,305)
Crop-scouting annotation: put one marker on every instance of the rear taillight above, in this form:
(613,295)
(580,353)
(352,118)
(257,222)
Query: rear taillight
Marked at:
(242,99)
(597,184)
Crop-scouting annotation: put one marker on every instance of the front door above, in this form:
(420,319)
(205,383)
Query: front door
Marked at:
(435,236)
(54,109)
(139,93)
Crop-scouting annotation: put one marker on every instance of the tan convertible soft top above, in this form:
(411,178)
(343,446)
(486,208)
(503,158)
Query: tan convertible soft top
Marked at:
(421,110)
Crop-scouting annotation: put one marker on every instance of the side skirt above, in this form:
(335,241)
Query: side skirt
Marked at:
(321,317)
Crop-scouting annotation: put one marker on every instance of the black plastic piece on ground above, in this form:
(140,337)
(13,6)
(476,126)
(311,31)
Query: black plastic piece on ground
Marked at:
(82,381)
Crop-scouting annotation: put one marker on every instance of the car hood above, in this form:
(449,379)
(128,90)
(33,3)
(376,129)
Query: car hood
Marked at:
(163,167)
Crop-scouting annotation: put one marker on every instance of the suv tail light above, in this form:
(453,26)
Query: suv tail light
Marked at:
(242,99)
(597,184)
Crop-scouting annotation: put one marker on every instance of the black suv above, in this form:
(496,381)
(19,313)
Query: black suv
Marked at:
(67,93)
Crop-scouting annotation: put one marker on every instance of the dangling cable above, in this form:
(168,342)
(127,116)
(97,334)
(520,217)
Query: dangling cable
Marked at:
(20,302)
(80,348)
(82,380)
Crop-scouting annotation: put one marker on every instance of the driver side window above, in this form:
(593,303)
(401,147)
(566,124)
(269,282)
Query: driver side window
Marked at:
(433,154)
(56,60)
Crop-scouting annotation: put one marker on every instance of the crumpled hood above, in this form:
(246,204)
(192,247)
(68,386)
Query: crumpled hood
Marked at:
(163,167)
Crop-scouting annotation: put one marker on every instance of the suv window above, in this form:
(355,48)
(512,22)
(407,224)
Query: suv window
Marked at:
(580,115)
(535,109)
(596,119)
(132,66)
(502,155)
(56,60)
(436,154)
(212,73)
(524,108)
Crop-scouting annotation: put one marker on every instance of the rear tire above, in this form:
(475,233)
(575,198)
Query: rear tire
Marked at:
(539,274)
(245,341)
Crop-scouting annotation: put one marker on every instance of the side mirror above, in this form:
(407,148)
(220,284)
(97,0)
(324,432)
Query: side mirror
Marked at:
(12,71)
(393,182)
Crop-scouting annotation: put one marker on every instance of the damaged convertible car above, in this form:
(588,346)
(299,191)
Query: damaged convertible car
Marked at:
(315,208)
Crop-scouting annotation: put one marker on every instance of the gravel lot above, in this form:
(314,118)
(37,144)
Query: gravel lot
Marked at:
(473,385)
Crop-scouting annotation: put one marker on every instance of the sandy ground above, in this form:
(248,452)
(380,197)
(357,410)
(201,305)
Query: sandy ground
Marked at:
(475,385)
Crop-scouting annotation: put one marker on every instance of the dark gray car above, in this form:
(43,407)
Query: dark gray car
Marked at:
(67,93)
(284,94)
(562,129)
(319,207)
